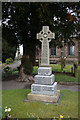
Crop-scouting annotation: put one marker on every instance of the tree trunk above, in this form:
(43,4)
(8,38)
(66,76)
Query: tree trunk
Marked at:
(26,67)
(24,77)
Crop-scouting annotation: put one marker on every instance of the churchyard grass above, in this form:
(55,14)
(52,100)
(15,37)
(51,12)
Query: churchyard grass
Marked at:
(65,78)
(57,68)
(61,77)
(58,77)
(14,99)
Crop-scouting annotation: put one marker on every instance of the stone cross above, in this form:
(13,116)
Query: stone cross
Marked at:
(45,37)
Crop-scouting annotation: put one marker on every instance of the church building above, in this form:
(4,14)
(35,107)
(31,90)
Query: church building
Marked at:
(70,51)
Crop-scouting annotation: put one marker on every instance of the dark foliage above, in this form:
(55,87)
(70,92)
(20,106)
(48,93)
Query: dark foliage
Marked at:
(7,50)
(25,19)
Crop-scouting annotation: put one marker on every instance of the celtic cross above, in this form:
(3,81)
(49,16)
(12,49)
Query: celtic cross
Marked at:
(45,37)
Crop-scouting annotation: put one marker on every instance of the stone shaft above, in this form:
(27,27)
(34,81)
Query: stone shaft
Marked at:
(44,80)
(44,70)
(44,89)
(45,53)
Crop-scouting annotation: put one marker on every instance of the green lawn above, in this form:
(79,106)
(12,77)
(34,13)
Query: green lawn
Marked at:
(15,100)
(65,78)
(59,77)
(57,68)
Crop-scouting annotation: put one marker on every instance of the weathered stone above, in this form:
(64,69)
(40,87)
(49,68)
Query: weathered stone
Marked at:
(44,98)
(47,80)
(45,37)
(44,70)
(44,89)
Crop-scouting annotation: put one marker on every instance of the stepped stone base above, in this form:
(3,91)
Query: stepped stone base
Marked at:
(45,71)
(44,80)
(44,98)
(44,89)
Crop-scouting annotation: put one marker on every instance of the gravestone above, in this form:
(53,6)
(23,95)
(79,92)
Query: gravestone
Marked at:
(44,87)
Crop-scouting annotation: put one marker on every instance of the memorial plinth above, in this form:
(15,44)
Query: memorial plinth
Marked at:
(44,70)
(44,88)
(44,98)
(44,80)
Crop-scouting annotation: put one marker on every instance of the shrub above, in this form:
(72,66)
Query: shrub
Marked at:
(9,60)
(15,69)
(7,69)
(8,50)
(62,62)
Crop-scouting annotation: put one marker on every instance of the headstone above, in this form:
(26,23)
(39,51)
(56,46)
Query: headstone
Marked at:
(44,88)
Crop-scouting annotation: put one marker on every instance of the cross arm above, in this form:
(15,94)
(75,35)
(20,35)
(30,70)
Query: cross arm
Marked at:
(51,35)
(49,40)
(39,35)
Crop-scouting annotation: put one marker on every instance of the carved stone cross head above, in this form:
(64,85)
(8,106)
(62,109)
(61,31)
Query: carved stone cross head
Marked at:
(45,37)
(45,34)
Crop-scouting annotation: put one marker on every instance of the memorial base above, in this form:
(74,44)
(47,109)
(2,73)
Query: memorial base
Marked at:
(44,98)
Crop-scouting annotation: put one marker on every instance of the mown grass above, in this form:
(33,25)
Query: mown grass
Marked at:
(14,99)
(57,68)
(58,77)
(65,78)
(61,77)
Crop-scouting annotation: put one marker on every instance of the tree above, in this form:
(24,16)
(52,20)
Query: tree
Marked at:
(24,20)
(7,50)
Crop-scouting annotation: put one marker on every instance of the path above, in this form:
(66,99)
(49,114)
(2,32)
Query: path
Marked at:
(13,84)
(24,85)
(14,64)
(69,87)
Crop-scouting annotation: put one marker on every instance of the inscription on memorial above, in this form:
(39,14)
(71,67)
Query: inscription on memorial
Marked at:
(44,89)
(44,71)
(38,88)
(47,80)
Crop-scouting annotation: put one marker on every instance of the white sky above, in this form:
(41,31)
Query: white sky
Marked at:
(0,22)
(21,49)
